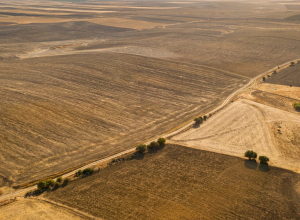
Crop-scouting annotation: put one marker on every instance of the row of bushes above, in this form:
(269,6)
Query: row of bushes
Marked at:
(153,145)
(253,155)
(85,172)
(297,106)
(50,183)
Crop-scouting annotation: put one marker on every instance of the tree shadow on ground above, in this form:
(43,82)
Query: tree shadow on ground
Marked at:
(250,164)
(156,149)
(196,125)
(264,167)
(139,156)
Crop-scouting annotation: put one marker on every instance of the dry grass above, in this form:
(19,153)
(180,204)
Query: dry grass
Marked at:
(63,111)
(247,125)
(184,183)
(28,209)
(97,77)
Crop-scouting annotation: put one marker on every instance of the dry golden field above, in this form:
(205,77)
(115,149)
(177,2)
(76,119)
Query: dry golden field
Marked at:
(177,182)
(82,79)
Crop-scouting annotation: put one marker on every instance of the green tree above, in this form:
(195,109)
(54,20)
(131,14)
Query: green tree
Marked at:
(66,181)
(250,154)
(78,173)
(41,185)
(297,106)
(204,117)
(57,184)
(50,183)
(141,148)
(88,171)
(59,179)
(264,78)
(161,141)
(197,121)
(263,159)
(153,145)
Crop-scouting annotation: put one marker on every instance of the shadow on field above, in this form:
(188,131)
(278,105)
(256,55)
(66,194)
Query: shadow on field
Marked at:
(250,164)
(264,167)
(156,149)
(139,156)
(196,126)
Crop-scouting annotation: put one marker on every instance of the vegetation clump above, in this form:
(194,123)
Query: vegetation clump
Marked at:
(198,120)
(153,145)
(161,142)
(88,171)
(251,154)
(263,159)
(292,63)
(66,181)
(141,148)
(59,179)
(264,78)
(78,173)
(297,106)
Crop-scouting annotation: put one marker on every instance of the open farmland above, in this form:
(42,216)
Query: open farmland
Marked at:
(67,114)
(262,119)
(184,183)
(80,80)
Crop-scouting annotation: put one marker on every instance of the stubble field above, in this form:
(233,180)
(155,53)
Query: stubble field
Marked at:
(184,183)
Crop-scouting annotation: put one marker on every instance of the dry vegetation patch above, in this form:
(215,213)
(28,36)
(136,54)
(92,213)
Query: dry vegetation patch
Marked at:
(184,183)
(28,209)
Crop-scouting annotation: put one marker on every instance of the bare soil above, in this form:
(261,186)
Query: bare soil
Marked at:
(184,183)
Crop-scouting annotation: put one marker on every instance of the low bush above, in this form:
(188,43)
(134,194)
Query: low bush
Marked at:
(297,106)
(59,179)
(41,185)
(153,145)
(78,173)
(57,184)
(141,148)
(66,181)
(50,183)
(88,171)
(161,141)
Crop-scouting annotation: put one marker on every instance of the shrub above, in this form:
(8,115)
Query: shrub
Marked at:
(161,141)
(141,148)
(78,173)
(153,145)
(41,185)
(204,117)
(264,78)
(198,120)
(50,183)
(66,181)
(297,106)
(250,154)
(269,76)
(88,171)
(263,159)
(57,185)
(292,63)
(59,179)
(274,72)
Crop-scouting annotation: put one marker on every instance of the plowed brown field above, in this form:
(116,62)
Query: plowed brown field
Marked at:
(184,183)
